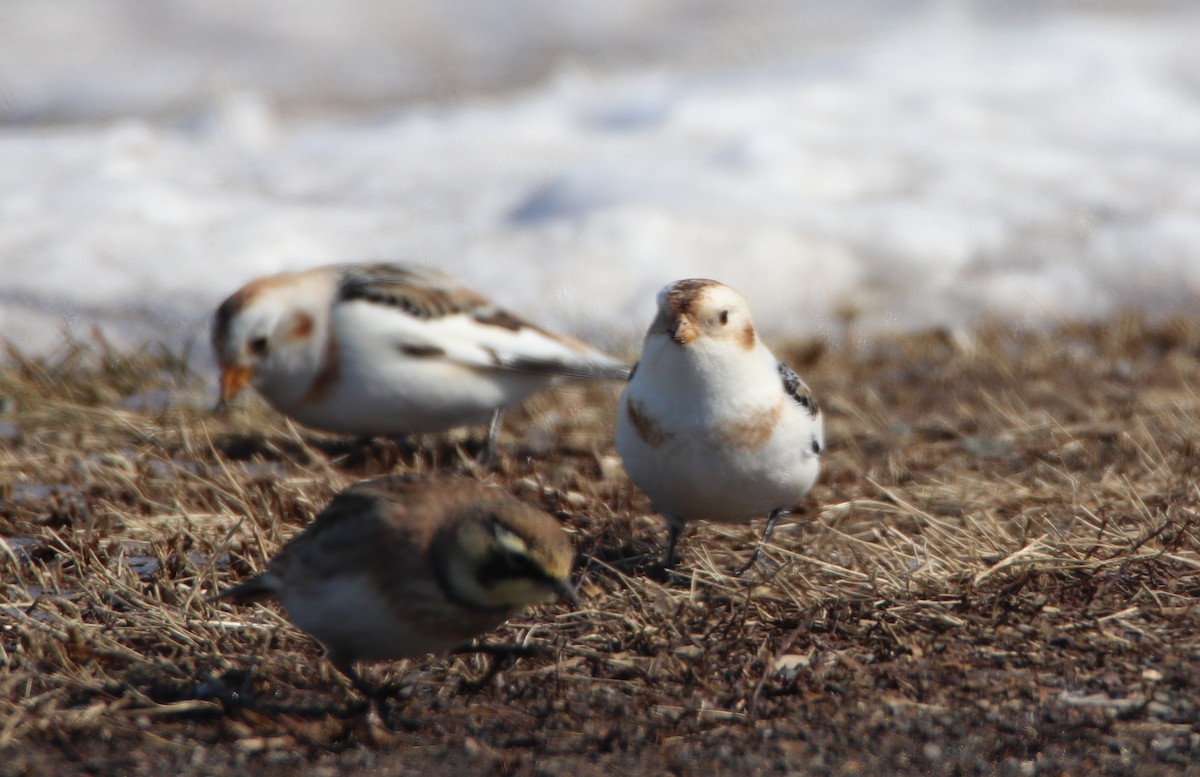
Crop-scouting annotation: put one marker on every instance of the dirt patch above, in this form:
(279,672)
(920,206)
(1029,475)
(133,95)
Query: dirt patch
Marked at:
(996,573)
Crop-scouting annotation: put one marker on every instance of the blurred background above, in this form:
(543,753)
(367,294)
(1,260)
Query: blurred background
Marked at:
(865,166)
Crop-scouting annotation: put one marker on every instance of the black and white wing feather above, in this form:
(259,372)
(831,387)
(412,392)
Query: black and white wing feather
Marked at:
(799,391)
(427,314)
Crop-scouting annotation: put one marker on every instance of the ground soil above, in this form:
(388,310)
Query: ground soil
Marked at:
(997,573)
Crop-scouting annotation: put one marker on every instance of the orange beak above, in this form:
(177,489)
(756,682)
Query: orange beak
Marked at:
(233,380)
(682,330)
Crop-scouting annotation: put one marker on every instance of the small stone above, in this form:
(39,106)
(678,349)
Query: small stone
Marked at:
(985,447)
(788,666)
(1163,745)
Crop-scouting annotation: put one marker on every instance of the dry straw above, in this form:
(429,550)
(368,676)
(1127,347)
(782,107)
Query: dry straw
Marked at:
(999,566)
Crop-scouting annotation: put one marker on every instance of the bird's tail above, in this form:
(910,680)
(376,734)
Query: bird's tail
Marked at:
(253,590)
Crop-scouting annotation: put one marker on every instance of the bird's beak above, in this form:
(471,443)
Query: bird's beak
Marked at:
(681,330)
(234,378)
(675,325)
(565,589)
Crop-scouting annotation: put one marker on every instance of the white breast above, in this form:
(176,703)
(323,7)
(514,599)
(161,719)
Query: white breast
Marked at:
(726,452)
(353,618)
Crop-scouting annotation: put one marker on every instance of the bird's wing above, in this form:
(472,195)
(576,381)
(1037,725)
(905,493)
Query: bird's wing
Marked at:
(369,520)
(799,391)
(425,313)
(255,589)
(420,292)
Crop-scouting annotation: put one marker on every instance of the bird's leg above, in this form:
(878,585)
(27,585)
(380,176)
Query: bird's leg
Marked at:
(419,447)
(501,655)
(374,696)
(488,454)
(378,730)
(486,457)
(674,530)
(776,514)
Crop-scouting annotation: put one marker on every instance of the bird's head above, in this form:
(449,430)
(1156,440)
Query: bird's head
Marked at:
(506,555)
(698,310)
(267,321)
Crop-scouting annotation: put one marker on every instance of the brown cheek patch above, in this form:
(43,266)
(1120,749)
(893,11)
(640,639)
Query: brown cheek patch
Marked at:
(646,427)
(302,326)
(747,338)
(329,374)
(752,433)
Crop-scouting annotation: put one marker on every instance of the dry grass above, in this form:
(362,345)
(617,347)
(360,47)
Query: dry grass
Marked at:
(998,572)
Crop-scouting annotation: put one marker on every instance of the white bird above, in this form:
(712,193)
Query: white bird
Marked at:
(387,349)
(711,425)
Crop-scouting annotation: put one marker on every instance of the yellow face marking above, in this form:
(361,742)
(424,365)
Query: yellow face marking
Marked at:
(518,592)
(559,571)
(511,542)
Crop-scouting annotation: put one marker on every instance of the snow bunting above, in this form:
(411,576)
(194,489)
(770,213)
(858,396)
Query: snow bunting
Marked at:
(711,425)
(400,566)
(387,349)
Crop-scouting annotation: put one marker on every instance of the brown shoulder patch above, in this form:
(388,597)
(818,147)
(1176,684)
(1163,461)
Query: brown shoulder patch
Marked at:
(646,427)
(751,434)
(329,374)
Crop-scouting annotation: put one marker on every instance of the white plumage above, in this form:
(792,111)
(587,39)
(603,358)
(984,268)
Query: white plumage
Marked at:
(383,349)
(711,425)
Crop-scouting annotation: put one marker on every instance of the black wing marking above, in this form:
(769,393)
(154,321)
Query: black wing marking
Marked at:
(422,292)
(555,367)
(428,294)
(797,390)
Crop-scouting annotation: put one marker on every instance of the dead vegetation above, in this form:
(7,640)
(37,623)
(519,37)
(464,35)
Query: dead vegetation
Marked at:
(998,572)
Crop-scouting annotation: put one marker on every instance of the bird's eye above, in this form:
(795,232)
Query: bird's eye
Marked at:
(258,346)
(724,317)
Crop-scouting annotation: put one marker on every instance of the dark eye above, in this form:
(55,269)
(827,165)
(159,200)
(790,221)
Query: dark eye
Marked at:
(258,346)
(724,317)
